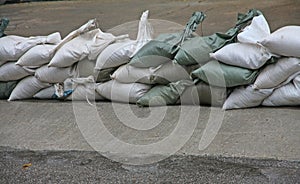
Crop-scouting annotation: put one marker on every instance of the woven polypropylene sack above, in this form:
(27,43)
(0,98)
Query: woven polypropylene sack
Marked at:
(6,88)
(56,74)
(284,41)
(10,72)
(243,55)
(37,56)
(13,47)
(26,88)
(121,92)
(203,94)
(244,97)
(218,74)
(275,74)
(287,95)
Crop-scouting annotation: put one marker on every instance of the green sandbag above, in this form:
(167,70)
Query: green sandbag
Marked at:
(164,95)
(104,75)
(165,46)
(197,49)
(6,88)
(218,74)
(203,94)
(3,24)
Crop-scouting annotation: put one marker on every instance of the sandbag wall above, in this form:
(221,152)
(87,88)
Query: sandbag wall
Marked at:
(246,66)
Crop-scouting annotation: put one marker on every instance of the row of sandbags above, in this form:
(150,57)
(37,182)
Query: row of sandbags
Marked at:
(244,67)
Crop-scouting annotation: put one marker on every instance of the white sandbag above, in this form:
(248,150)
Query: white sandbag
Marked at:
(37,56)
(13,47)
(163,74)
(26,88)
(244,55)
(89,44)
(256,31)
(243,97)
(284,41)
(83,89)
(287,95)
(274,74)
(121,92)
(90,25)
(56,74)
(86,68)
(46,94)
(10,72)
(119,53)
(115,55)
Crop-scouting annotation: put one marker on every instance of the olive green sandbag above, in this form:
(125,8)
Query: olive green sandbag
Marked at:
(196,50)
(164,95)
(3,25)
(218,74)
(104,74)
(164,47)
(204,94)
(6,88)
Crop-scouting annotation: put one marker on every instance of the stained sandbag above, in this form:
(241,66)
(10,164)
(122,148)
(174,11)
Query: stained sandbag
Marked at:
(161,95)
(203,94)
(164,48)
(120,53)
(120,92)
(244,55)
(162,74)
(246,96)
(37,56)
(256,31)
(11,72)
(26,88)
(6,88)
(89,45)
(284,41)
(287,95)
(218,74)
(13,47)
(56,74)
(274,74)
(196,50)
(104,75)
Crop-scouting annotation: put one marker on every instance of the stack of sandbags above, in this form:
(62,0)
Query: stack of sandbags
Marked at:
(272,87)
(113,61)
(181,61)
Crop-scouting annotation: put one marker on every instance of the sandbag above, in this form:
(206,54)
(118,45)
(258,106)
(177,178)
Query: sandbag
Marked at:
(89,44)
(162,74)
(164,47)
(120,92)
(3,25)
(246,96)
(11,72)
(243,55)
(26,88)
(164,94)
(287,95)
(56,74)
(196,50)
(218,74)
(203,94)
(104,75)
(274,74)
(256,31)
(13,47)
(86,68)
(37,56)
(284,41)
(120,53)
(6,88)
